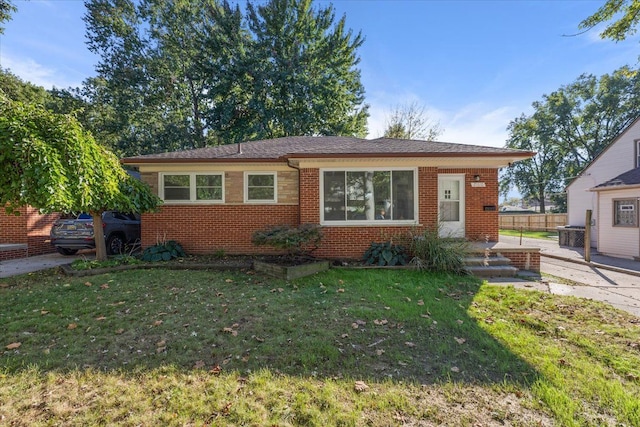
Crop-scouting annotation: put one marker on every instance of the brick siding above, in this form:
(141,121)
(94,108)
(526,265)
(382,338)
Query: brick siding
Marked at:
(30,228)
(205,229)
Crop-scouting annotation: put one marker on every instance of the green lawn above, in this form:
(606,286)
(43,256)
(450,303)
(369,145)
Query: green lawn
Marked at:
(347,347)
(552,235)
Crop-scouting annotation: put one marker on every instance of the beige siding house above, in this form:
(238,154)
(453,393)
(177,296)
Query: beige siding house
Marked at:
(610,187)
(620,156)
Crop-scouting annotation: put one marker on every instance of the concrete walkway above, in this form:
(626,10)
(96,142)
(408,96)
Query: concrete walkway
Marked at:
(32,264)
(608,279)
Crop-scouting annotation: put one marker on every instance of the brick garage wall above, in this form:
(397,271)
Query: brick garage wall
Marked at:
(207,228)
(38,229)
(13,228)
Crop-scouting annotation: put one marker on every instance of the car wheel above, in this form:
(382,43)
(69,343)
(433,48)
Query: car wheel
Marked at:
(115,244)
(65,251)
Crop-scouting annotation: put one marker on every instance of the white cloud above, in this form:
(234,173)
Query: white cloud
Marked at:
(31,71)
(477,124)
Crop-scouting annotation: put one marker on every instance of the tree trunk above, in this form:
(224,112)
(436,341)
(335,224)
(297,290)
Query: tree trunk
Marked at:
(98,235)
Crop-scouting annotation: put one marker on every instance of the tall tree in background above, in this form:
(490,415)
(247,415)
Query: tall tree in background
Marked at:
(625,15)
(190,73)
(304,75)
(569,128)
(410,121)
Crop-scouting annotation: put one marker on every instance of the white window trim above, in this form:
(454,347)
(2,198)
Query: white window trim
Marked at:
(192,189)
(378,223)
(262,201)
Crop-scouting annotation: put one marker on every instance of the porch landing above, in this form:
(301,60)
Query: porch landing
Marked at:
(494,253)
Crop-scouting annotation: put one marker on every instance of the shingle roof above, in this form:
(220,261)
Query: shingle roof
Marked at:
(326,146)
(631,177)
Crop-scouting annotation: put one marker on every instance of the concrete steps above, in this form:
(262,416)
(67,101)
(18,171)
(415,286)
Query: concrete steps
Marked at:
(494,265)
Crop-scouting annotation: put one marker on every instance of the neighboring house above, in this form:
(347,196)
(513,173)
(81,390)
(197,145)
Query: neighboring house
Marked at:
(216,197)
(610,188)
(26,234)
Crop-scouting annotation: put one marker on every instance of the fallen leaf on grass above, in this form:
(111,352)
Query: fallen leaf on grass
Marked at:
(216,370)
(43,312)
(420,302)
(460,340)
(14,345)
(455,369)
(101,318)
(230,331)
(380,322)
(162,343)
(161,349)
(119,331)
(198,365)
(360,386)
(72,326)
(380,352)
(157,323)
(340,291)
(410,344)
(343,336)
(228,280)
(88,284)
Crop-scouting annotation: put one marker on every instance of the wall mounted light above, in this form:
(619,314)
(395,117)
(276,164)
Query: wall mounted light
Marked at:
(476,177)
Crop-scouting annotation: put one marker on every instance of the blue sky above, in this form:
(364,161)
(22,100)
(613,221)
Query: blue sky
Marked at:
(475,65)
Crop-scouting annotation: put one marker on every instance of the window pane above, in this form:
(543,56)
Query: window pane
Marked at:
(211,193)
(358,193)
(260,180)
(382,194)
(176,193)
(403,195)
(625,213)
(208,180)
(333,193)
(260,193)
(176,187)
(449,211)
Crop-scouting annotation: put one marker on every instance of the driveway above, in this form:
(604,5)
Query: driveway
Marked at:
(564,272)
(32,264)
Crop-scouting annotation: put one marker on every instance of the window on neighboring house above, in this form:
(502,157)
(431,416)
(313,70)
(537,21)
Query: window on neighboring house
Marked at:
(260,187)
(368,195)
(625,213)
(638,154)
(192,187)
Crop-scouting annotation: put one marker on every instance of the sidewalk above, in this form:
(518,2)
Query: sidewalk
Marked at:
(32,264)
(608,279)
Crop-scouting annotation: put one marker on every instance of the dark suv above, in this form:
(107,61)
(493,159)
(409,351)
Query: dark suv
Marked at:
(70,234)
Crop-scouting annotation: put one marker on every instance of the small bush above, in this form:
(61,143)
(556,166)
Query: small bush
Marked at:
(385,253)
(434,253)
(163,252)
(296,241)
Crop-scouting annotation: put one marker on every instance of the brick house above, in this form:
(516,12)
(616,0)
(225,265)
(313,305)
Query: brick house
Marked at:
(359,190)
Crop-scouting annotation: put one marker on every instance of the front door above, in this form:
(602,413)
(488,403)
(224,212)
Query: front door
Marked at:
(451,205)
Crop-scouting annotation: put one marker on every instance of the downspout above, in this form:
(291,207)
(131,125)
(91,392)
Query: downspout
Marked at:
(299,191)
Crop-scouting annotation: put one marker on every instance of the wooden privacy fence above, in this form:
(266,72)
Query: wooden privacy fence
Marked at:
(532,222)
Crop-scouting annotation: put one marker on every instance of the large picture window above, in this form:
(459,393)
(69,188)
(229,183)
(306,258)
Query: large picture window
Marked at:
(260,187)
(368,195)
(192,187)
(625,213)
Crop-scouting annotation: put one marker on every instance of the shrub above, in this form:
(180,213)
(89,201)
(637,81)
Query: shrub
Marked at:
(385,253)
(163,251)
(434,253)
(296,241)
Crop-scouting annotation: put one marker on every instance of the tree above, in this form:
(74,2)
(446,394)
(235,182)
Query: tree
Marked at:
(6,8)
(410,121)
(50,162)
(569,128)
(627,13)
(303,74)
(186,74)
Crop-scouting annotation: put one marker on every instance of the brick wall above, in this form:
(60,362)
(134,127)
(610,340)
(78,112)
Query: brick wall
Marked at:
(31,228)
(525,260)
(207,228)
